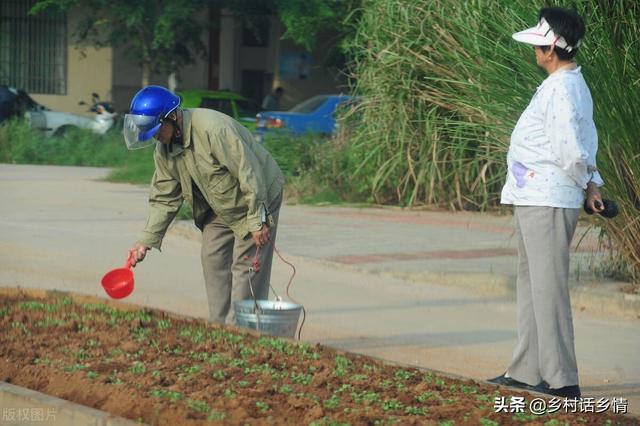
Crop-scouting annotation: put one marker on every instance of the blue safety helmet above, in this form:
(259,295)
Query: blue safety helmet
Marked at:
(148,107)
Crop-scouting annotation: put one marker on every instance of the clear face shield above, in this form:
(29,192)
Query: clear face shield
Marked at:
(139,130)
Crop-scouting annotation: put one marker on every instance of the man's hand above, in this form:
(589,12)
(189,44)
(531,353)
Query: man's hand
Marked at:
(139,251)
(261,236)
(594,199)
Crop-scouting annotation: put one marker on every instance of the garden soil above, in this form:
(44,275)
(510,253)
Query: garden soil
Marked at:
(164,369)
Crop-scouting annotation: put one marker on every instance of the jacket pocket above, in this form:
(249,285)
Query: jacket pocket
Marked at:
(227,195)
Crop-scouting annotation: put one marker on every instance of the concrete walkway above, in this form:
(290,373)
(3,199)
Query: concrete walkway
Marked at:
(423,288)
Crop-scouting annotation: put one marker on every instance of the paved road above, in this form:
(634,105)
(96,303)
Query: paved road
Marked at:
(360,274)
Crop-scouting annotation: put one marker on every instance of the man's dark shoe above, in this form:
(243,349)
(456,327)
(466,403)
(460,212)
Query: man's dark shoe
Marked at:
(564,392)
(510,382)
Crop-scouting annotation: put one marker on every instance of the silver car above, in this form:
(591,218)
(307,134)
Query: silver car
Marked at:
(53,123)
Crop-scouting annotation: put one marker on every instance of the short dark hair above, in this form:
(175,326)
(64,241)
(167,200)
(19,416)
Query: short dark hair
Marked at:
(566,23)
(279,90)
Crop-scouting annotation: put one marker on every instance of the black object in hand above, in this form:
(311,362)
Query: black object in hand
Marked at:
(610,208)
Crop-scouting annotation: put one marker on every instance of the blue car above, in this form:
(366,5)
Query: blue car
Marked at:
(315,115)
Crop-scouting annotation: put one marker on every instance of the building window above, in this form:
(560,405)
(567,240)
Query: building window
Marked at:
(33,49)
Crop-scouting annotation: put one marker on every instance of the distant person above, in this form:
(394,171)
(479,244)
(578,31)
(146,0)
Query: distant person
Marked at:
(551,164)
(271,102)
(232,183)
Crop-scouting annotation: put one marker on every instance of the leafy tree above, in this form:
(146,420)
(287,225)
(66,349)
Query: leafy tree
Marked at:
(163,35)
(159,35)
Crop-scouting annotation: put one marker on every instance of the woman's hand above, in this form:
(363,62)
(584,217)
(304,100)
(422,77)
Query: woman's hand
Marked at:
(261,236)
(594,199)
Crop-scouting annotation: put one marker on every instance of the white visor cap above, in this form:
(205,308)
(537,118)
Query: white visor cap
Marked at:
(543,35)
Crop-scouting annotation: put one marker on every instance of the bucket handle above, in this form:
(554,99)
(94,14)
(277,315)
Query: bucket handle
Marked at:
(253,269)
(257,308)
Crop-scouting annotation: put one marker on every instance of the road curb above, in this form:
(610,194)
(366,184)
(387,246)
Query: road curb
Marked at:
(606,300)
(22,406)
(600,297)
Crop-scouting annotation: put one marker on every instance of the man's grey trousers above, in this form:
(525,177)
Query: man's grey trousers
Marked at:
(226,263)
(545,349)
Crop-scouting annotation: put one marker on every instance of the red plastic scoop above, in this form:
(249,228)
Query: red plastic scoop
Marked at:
(118,283)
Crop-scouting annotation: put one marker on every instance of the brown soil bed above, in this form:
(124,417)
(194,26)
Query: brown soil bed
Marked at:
(164,369)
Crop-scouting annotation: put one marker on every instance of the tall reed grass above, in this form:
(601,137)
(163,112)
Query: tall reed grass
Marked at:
(443,84)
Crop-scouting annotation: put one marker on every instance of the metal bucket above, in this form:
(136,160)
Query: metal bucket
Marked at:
(273,317)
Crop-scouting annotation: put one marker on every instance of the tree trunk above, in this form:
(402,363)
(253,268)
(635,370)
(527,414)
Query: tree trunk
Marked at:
(146,73)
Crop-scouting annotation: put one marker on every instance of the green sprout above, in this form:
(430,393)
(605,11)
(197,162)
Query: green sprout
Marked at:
(424,396)
(50,322)
(285,389)
(262,406)
(485,398)
(359,378)
(391,404)
(416,411)
(137,368)
(193,369)
(32,305)
(342,366)
(219,375)
(332,403)
(468,390)
(365,396)
(403,375)
(113,378)
(216,415)
(164,324)
(81,355)
(246,352)
(199,406)
(42,361)
(173,396)
(301,378)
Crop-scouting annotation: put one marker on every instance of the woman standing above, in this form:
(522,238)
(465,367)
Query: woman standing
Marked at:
(551,163)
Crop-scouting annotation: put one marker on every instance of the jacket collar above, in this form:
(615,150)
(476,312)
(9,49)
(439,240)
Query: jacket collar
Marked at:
(186,128)
(175,150)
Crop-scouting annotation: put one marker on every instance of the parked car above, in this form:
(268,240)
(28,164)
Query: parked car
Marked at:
(315,115)
(17,103)
(233,104)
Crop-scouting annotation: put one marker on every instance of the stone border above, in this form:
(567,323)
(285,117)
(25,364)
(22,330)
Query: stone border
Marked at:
(21,406)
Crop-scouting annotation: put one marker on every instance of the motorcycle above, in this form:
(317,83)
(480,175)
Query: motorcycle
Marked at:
(105,114)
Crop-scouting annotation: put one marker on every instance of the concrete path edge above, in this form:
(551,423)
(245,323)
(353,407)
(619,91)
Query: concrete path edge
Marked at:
(29,407)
